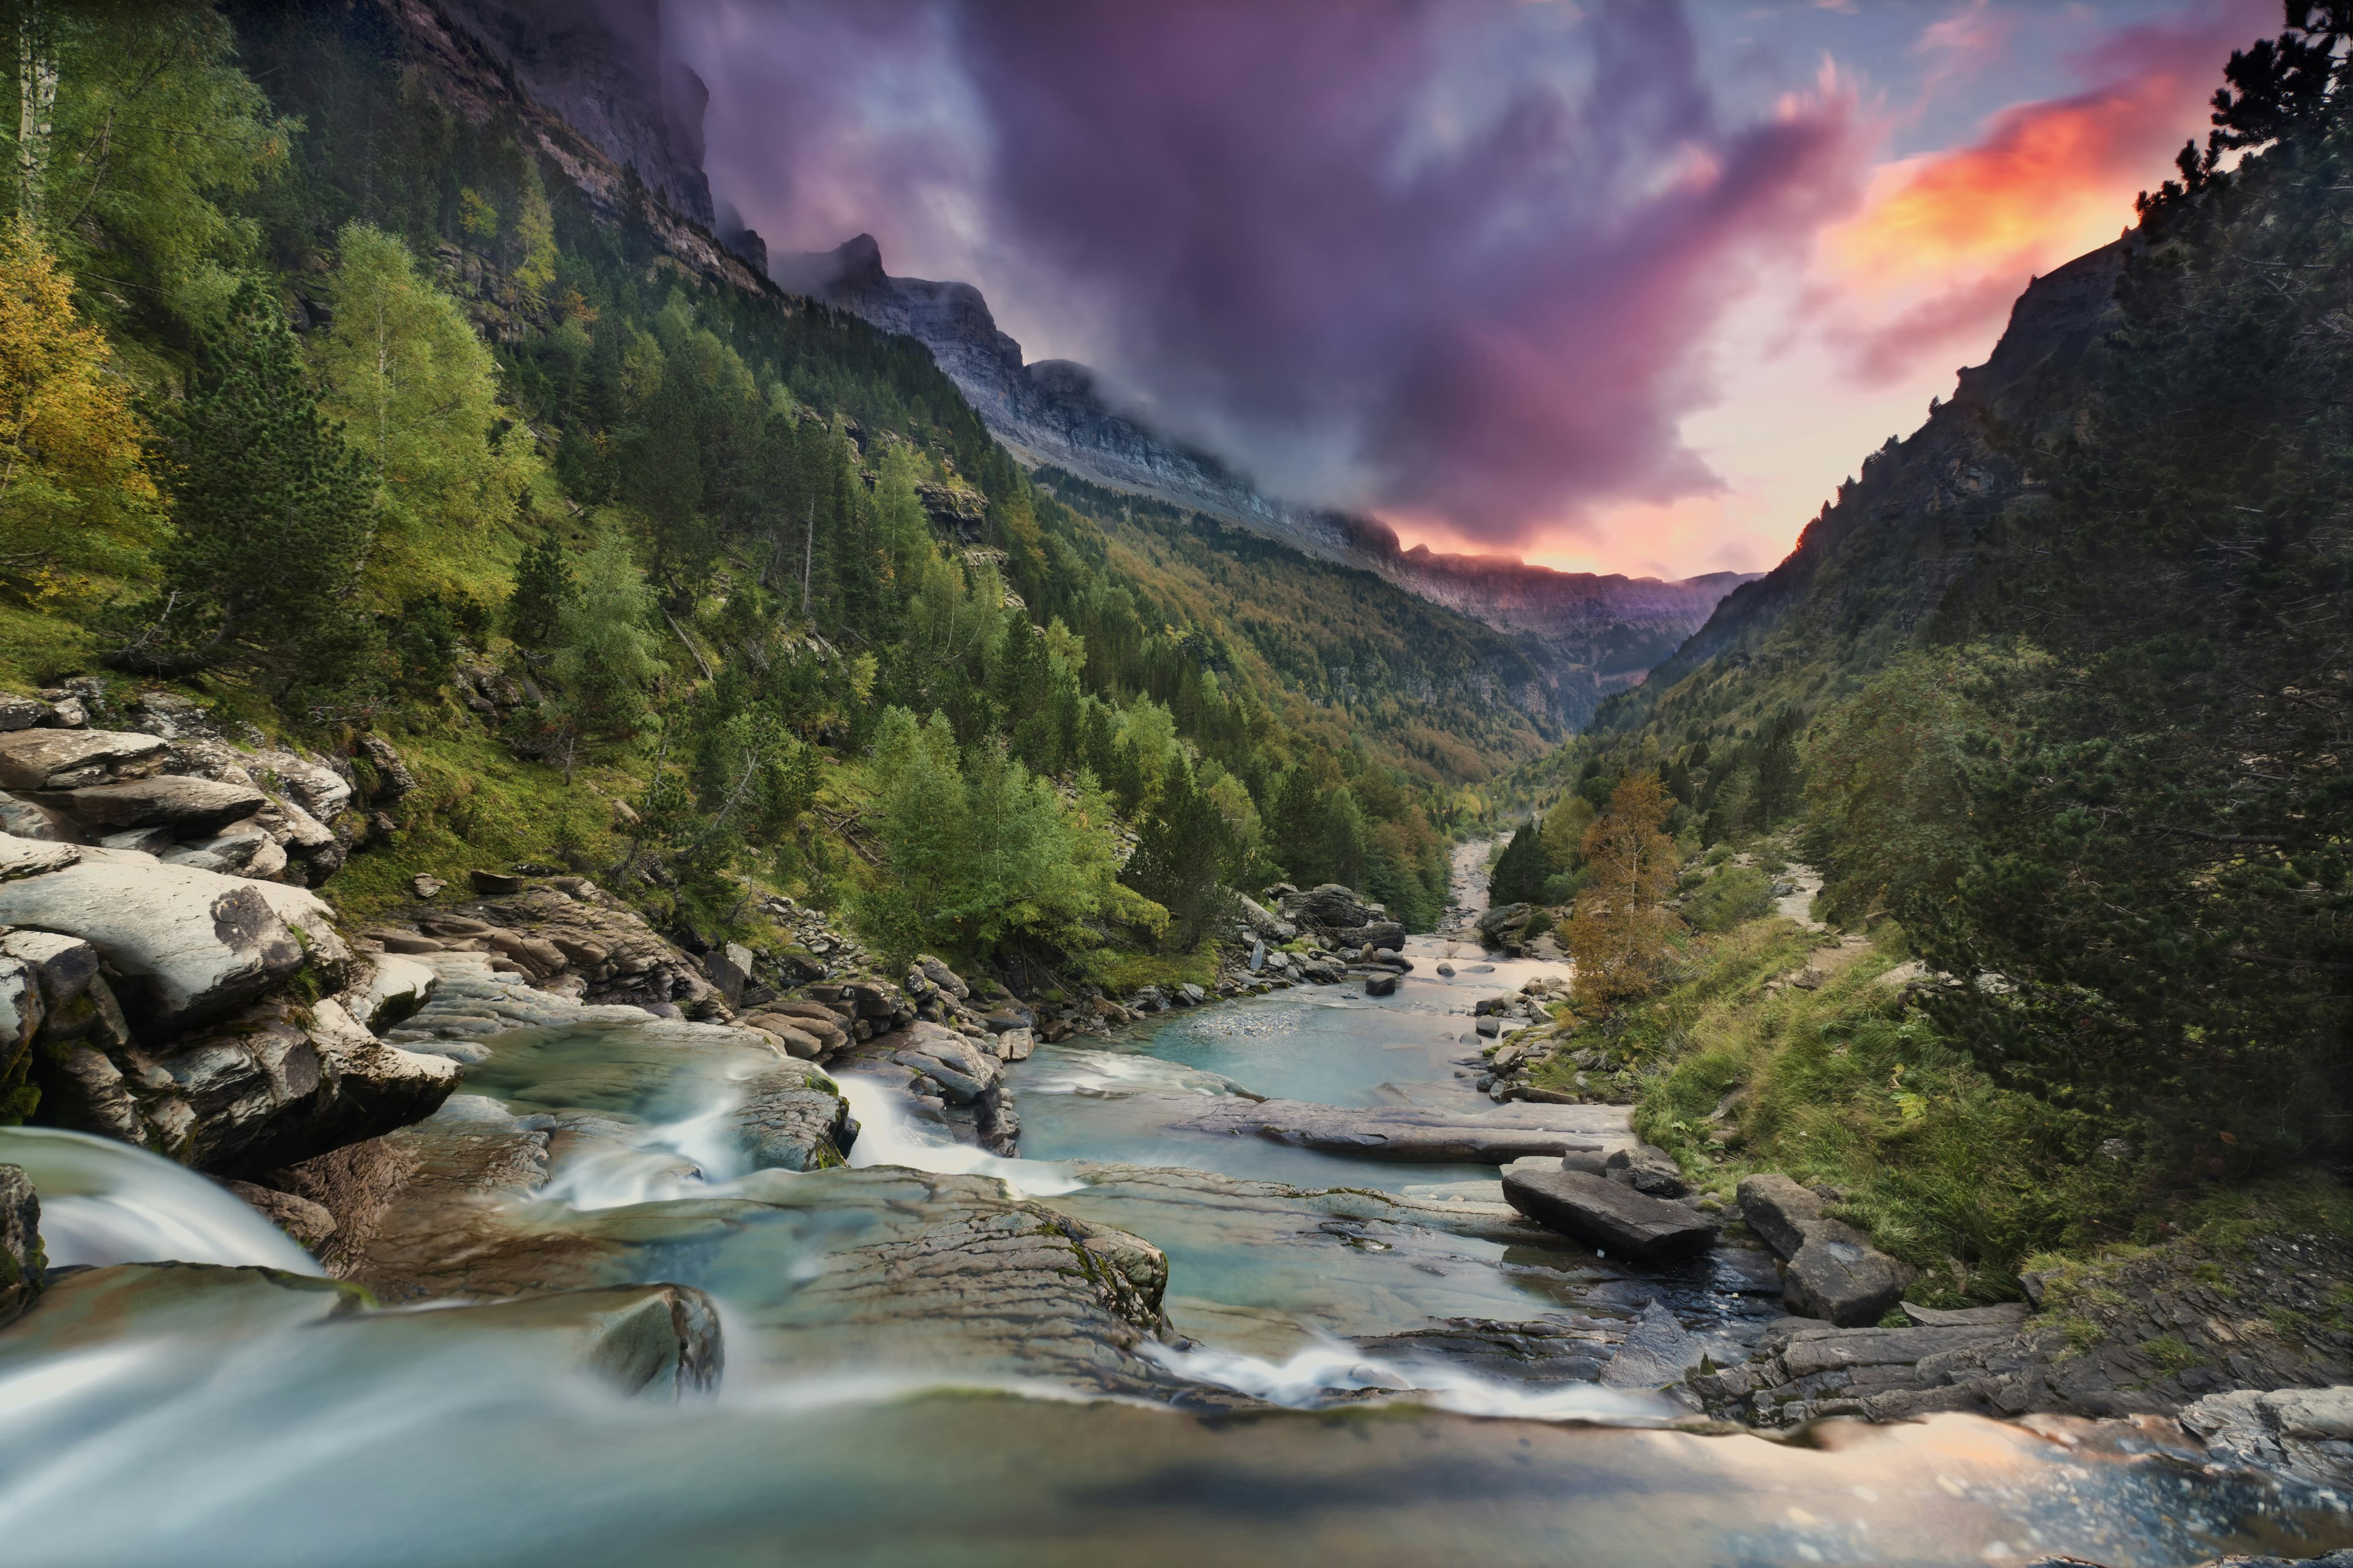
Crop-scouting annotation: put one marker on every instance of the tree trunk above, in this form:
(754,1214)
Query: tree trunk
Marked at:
(36,97)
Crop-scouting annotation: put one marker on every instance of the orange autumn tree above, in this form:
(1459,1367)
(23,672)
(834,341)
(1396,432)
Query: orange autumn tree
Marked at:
(75,495)
(1619,932)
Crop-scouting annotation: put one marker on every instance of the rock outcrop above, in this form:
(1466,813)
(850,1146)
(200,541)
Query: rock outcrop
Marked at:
(1607,1215)
(1409,1132)
(1834,1271)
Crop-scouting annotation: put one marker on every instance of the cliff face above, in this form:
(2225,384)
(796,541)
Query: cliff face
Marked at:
(1592,634)
(1879,560)
(599,64)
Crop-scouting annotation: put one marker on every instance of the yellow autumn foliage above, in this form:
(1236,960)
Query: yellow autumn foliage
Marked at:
(75,494)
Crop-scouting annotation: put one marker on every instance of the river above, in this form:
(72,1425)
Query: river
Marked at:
(1314,1395)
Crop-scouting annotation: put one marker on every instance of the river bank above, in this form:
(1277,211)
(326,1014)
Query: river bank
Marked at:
(697,1333)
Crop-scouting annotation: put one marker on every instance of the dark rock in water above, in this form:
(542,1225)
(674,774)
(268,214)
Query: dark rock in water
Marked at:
(1657,1351)
(789,1123)
(309,1223)
(1380,984)
(1550,1351)
(1445,969)
(22,1263)
(1647,1168)
(1410,1133)
(1607,1214)
(657,1339)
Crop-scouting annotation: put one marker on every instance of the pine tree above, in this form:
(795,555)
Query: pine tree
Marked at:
(1520,871)
(270,515)
(543,586)
(1295,830)
(1183,855)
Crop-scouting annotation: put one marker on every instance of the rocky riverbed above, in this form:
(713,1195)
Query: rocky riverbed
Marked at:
(506,1230)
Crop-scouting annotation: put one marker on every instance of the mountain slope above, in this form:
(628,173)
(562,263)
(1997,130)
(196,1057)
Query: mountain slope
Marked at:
(1592,634)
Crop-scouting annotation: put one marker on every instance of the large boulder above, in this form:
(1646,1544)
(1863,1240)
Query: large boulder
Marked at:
(68,758)
(1838,1276)
(1606,1215)
(792,1119)
(961,1066)
(1331,908)
(189,806)
(1388,934)
(1833,1272)
(275,1085)
(193,945)
(1647,1168)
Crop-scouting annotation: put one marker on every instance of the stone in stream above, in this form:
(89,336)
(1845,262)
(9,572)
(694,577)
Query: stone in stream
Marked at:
(1657,1351)
(789,1123)
(641,1339)
(22,1263)
(1604,1214)
(1411,1132)
(1380,984)
(2304,1433)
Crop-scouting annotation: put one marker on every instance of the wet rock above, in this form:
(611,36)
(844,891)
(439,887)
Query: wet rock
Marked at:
(1646,1168)
(308,1222)
(192,946)
(1607,1214)
(22,1261)
(956,1063)
(272,1085)
(1380,984)
(1657,1351)
(1410,1133)
(792,1119)
(2303,1433)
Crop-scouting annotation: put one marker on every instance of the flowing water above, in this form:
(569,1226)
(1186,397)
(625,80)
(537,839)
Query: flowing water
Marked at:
(1308,1411)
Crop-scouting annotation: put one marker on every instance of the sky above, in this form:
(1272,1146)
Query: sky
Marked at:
(1607,286)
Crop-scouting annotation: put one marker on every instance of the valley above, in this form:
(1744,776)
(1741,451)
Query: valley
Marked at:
(658,905)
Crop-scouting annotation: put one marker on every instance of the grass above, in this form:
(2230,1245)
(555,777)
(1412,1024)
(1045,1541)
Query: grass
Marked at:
(1848,1087)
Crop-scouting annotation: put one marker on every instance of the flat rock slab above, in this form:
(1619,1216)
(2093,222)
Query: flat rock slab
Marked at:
(30,758)
(1411,1133)
(186,805)
(1604,1214)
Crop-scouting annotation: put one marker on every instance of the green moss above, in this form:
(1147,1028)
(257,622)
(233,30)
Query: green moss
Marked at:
(2172,1352)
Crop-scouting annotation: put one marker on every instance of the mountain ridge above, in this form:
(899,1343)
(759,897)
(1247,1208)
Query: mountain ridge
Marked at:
(1594,632)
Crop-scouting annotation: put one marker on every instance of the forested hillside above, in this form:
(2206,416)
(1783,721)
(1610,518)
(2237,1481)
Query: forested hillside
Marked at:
(2056,696)
(356,395)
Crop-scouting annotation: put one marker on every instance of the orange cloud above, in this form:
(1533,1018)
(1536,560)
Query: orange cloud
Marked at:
(1946,241)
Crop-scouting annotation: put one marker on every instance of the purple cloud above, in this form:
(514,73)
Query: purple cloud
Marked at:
(1444,258)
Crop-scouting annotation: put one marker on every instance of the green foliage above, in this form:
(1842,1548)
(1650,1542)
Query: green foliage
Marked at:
(1845,1085)
(605,644)
(270,519)
(156,133)
(978,851)
(1520,875)
(1731,897)
(416,391)
(1184,856)
(542,587)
